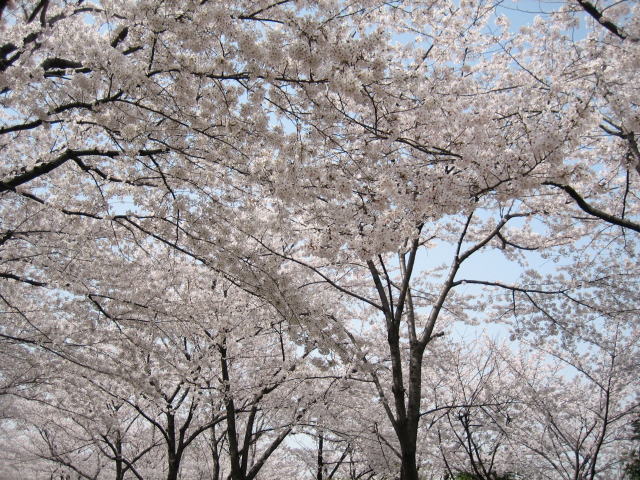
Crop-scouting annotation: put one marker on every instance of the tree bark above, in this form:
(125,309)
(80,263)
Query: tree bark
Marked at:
(320,469)
(232,435)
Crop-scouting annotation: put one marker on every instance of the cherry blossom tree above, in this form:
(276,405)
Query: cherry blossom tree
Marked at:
(183,179)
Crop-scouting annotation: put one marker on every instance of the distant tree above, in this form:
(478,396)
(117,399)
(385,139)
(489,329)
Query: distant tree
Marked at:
(473,476)
(305,157)
(632,468)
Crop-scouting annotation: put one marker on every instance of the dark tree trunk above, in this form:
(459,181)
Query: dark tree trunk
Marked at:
(174,468)
(320,469)
(119,462)
(174,451)
(232,434)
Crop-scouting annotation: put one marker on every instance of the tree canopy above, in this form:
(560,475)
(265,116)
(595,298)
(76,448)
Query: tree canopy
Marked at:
(237,239)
